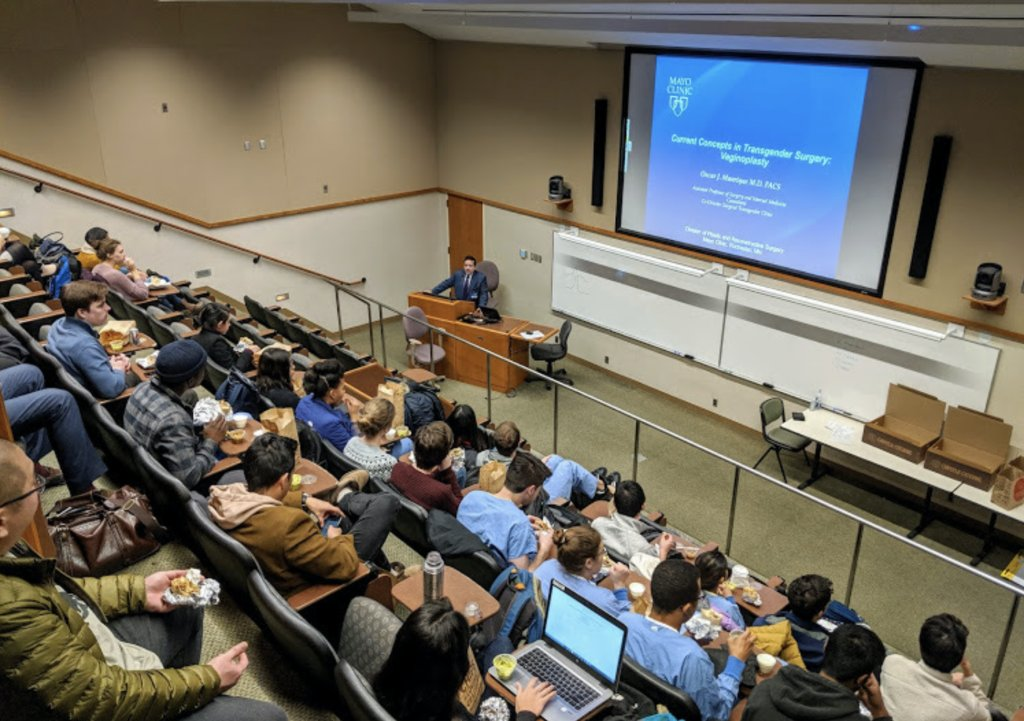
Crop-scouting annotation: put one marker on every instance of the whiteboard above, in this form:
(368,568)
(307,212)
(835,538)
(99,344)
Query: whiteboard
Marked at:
(667,305)
(800,346)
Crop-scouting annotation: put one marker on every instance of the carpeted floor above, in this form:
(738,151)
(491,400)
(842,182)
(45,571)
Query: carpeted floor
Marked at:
(776,532)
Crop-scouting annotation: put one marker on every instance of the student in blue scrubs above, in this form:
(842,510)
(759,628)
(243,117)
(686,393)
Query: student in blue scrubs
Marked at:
(580,555)
(655,642)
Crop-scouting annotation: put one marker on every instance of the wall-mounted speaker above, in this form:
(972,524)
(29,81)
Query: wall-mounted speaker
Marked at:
(933,185)
(600,131)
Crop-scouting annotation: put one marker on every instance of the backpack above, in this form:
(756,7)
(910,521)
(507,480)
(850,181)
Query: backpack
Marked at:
(240,393)
(59,279)
(422,406)
(518,617)
(50,249)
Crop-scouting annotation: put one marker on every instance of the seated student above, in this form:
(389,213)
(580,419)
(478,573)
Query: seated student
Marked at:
(321,407)
(274,522)
(421,679)
(87,257)
(374,421)
(499,520)
(466,283)
(655,642)
(622,531)
(214,321)
(100,648)
(112,257)
(929,689)
(580,556)
(159,419)
(46,419)
(20,254)
(274,378)
(430,482)
(714,571)
(568,479)
(76,345)
(467,433)
(846,681)
(809,596)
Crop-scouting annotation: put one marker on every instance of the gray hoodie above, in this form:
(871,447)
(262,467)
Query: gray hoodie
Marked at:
(798,695)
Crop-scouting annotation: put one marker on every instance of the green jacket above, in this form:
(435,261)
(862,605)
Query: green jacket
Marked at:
(51,665)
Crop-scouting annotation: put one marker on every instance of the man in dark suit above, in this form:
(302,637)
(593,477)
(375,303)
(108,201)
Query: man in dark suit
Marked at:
(468,284)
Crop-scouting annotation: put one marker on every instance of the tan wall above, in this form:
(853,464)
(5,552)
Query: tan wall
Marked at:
(511,116)
(351,107)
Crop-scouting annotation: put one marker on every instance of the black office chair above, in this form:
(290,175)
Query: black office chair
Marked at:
(677,701)
(551,352)
(361,703)
(773,415)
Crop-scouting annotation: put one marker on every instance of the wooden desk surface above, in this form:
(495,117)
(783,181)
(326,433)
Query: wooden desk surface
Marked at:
(237,448)
(362,382)
(308,596)
(458,588)
(145,343)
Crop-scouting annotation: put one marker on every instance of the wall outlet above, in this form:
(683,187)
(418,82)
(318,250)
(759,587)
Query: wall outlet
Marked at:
(535,257)
(714,403)
(204,273)
(246,145)
(263,144)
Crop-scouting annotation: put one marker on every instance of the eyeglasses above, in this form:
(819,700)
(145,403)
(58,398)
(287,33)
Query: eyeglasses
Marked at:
(36,489)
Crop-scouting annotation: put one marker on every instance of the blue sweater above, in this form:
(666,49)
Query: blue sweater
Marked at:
(78,349)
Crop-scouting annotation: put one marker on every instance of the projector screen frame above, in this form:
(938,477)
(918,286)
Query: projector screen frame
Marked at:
(916,65)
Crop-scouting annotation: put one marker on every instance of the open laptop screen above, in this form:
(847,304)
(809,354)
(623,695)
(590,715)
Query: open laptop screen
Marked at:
(586,633)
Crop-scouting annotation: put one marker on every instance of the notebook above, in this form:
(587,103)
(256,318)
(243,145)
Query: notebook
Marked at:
(580,653)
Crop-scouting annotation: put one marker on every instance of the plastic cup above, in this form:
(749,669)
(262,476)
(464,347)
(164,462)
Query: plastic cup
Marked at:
(636,590)
(765,663)
(504,666)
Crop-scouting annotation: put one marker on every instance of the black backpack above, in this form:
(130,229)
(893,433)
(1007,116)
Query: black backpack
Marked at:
(422,406)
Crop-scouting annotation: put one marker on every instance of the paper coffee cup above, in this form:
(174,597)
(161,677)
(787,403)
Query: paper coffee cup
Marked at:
(765,663)
(636,589)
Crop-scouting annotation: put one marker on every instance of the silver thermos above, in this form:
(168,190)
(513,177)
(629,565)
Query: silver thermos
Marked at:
(433,577)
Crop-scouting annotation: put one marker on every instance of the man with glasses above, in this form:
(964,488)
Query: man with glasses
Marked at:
(100,648)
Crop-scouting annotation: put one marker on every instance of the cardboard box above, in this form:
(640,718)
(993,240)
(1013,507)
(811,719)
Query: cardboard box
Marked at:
(972,449)
(1008,491)
(911,424)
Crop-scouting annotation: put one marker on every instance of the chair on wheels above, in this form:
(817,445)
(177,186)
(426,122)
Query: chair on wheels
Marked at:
(430,354)
(551,352)
(490,271)
(773,415)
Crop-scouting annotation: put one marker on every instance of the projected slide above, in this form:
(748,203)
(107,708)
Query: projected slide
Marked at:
(754,159)
(792,165)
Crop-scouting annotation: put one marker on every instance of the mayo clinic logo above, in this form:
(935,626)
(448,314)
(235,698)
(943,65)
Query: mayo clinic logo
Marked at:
(679,91)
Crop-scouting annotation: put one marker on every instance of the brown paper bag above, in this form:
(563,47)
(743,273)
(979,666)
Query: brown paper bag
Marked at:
(282,422)
(394,392)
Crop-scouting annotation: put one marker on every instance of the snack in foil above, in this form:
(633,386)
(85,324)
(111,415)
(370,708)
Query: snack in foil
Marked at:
(193,590)
(702,629)
(206,409)
(493,709)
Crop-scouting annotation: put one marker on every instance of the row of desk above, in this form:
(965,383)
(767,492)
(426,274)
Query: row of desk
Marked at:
(843,434)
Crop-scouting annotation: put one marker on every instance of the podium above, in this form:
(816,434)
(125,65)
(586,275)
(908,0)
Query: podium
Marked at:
(467,364)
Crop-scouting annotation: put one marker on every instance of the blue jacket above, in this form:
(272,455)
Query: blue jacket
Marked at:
(332,424)
(78,348)
(477,287)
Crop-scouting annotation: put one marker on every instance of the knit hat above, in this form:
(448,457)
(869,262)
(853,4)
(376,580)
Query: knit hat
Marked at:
(179,361)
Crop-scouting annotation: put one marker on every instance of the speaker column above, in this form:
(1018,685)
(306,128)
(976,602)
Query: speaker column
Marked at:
(600,132)
(937,166)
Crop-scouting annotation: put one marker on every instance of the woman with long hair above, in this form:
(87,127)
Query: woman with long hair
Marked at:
(420,680)
(580,557)
(214,321)
(274,378)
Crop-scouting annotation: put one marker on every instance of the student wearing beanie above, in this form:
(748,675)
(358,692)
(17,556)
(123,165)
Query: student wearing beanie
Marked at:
(159,419)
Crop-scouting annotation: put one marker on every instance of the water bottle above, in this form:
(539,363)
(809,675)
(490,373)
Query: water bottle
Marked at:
(433,577)
(816,403)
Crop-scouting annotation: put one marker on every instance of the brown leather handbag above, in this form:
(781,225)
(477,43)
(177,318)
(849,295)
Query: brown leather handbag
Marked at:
(97,533)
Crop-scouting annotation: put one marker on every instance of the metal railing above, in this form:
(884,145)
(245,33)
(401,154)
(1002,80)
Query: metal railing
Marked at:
(638,422)
(345,287)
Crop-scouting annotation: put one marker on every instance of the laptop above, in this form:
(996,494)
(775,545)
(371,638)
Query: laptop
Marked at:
(579,653)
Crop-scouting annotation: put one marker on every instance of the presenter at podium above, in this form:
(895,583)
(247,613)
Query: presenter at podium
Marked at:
(468,284)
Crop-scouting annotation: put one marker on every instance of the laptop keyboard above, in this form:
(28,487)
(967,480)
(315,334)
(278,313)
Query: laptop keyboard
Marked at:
(570,688)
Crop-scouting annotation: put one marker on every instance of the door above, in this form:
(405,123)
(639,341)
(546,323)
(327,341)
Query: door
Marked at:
(465,231)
